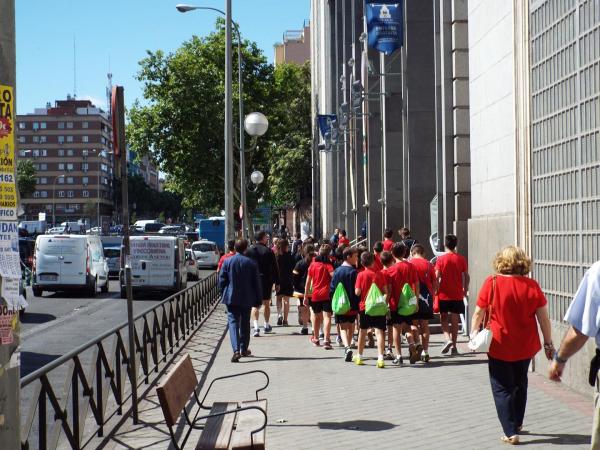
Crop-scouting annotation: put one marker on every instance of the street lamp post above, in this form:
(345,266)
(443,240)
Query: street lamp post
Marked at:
(54,199)
(255,124)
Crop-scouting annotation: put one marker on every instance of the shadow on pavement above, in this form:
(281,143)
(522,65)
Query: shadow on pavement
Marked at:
(31,361)
(357,425)
(285,358)
(36,317)
(557,439)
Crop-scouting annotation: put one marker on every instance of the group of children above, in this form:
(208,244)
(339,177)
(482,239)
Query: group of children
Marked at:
(391,267)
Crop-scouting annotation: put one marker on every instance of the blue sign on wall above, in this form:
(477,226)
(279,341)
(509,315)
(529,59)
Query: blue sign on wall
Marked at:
(325,121)
(385,26)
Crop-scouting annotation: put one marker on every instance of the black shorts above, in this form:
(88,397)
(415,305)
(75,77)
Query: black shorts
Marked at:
(452,306)
(367,322)
(425,311)
(397,319)
(319,307)
(267,289)
(285,292)
(345,318)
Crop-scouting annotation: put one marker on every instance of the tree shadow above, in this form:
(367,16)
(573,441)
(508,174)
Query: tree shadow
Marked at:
(36,317)
(31,361)
(357,425)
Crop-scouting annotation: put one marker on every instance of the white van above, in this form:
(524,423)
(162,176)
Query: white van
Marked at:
(157,263)
(140,224)
(69,261)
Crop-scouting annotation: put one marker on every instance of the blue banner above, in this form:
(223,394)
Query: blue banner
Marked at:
(325,121)
(385,26)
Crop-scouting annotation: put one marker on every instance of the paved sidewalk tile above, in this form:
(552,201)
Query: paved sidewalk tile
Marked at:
(318,401)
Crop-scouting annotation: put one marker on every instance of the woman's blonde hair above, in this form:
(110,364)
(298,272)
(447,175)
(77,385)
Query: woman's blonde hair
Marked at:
(512,260)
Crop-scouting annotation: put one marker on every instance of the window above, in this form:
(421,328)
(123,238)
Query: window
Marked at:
(61,166)
(84,152)
(22,125)
(85,194)
(42,139)
(36,153)
(103,140)
(36,194)
(61,194)
(43,166)
(104,167)
(22,139)
(61,139)
(85,139)
(36,126)
(43,125)
(69,138)
(22,153)
(70,152)
(70,166)
(104,180)
(85,167)
(85,180)
(60,180)
(61,125)
(43,180)
(49,207)
(84,125)
(70,194)
(69,125)
(44,152)
(44,194)
(36,139)
(70,180)
(61,152)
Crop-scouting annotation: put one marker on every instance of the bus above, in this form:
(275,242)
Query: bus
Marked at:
(213,229)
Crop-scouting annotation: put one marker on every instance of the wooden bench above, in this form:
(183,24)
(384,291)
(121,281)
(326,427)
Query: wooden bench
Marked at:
(228,425)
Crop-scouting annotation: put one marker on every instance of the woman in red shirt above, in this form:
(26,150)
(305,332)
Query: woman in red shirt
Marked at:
(516,304)
(319,277)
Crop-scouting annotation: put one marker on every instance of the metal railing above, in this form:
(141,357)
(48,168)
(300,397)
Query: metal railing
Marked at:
(56,415)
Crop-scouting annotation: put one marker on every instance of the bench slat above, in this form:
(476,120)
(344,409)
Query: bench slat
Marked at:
(176,389)
(246,422)
(217,431)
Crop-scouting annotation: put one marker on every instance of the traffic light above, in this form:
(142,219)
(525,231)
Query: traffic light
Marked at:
(356,94)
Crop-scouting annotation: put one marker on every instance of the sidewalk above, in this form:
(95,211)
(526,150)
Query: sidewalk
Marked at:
(317,401)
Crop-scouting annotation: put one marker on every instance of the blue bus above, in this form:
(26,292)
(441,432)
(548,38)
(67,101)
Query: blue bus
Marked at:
(213,229)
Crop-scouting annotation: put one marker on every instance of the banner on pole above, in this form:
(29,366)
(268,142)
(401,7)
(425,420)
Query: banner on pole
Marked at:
(385,26)
(325,124)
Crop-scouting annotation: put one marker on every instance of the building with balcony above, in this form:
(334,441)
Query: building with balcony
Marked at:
(70,145)
(295,46)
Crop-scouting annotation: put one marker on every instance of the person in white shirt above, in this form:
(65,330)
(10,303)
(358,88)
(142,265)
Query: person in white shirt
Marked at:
(584,317)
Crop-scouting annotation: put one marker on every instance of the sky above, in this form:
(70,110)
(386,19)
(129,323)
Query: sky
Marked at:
(116,34)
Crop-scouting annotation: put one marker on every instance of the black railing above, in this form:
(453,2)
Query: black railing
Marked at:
(62,413)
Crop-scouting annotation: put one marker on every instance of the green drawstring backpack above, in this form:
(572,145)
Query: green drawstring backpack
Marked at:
(375,304)
(340,302)
(407,304)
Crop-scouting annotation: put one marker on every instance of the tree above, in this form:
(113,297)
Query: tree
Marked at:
(26,180)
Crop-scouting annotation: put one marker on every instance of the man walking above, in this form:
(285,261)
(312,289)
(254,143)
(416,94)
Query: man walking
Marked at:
(239,282)
(453,276)
(584,317)
(269,274)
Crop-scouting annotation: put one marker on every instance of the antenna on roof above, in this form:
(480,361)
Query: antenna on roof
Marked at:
(74,68)
(109,75)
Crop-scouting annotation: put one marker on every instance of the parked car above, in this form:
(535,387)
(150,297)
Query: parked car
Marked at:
(153,227)
(140,224)
(67,262)
(113,259)
(207,253)
(172,230)
(56,230)
(191,263)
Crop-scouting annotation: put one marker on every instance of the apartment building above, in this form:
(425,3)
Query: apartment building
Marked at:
(70,145)
(295,46)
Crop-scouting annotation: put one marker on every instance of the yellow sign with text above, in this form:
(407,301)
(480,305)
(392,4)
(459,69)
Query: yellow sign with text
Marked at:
(8,196)
(7,130)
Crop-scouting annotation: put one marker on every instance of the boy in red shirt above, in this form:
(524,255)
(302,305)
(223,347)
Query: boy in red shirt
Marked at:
(451,271)
(387,260)
(342,239)
(377,249)
(319,276)
(388,243)
(427,286)
(364,280)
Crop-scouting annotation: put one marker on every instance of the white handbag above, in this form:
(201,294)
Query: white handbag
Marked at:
(481,341)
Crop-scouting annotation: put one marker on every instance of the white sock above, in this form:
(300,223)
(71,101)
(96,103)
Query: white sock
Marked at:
(255,324)
(359,356)
(379,357)
(266,323)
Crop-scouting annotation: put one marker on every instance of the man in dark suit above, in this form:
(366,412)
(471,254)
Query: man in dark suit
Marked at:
(239,281)
(269,274)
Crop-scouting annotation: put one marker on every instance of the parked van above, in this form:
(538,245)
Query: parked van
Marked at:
(157,263)
(69,261)
(74,227)
(140,224)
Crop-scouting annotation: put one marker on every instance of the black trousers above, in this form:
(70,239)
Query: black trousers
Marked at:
(509,388)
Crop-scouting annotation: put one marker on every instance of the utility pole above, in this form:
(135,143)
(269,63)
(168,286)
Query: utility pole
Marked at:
(229,219)
(10,415)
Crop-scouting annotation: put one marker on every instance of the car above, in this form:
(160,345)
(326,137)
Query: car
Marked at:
(56,230)
(112,253)
(191,262)
(153,227)
(207,253)
(171,230)
(94,230)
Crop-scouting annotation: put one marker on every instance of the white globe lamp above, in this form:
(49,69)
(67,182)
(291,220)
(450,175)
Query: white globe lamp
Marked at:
(256,124)
(257,177)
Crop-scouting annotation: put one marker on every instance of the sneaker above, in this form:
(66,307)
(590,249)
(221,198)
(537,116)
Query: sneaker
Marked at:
(398,360)
(358,361)
(339,341)
(353,344)
(425,357)
(380,364)
(413,355)
(315,341)
(304,331)
(454,351)
(348,355)
(268,328)
(236,357)
(285,323)
(279,321)
(246,353)
(327,345)
(446,347)
(256,333)
(389,356)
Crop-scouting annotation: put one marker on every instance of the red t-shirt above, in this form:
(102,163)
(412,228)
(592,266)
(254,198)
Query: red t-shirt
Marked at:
(364,280)
(223,258)
(343,241)
(513,322)
(451,266)
(400,274)
(425,272)
(377,264)
(321,278)
(387,245)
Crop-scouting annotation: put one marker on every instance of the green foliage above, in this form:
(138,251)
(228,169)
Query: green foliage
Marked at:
(26,181)
(152,204)
(181,124)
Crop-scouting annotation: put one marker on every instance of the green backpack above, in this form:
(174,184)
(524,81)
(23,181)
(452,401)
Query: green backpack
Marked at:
(375,304)
(407,304)
(340,302)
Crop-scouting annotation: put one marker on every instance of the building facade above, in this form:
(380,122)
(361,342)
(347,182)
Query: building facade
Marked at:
(295,46)
(70,145)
